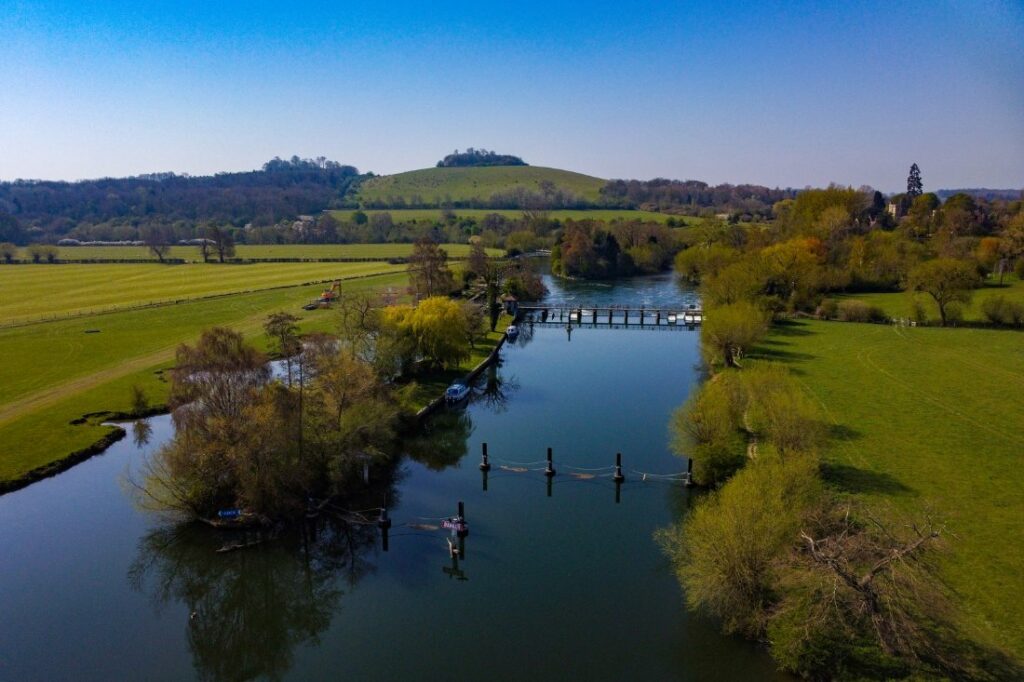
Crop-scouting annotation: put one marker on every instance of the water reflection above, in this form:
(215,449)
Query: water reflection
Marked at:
(497,389)
(142,431)
(249,609)
(442,441)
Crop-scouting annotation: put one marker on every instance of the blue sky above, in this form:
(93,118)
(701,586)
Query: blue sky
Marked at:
(778,93)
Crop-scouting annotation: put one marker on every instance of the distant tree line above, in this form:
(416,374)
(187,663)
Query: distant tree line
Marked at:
(479,157)
(35,210)
(693,197)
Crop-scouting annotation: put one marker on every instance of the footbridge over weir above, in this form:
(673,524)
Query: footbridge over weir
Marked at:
(687,317)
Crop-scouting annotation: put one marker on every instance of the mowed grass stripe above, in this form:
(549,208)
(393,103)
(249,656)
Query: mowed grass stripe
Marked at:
(31,292)
(931,418)
(257,251)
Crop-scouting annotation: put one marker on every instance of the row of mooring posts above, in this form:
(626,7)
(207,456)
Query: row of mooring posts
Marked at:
(549,471)
(460,529)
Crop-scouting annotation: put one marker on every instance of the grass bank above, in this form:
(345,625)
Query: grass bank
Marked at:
(929,417)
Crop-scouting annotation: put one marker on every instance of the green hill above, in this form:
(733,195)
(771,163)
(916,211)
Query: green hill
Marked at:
(435,186)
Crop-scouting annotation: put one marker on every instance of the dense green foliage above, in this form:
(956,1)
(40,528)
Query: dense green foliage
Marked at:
(593,250)
(692,197)
(479,157)
(267,447)
(282,189)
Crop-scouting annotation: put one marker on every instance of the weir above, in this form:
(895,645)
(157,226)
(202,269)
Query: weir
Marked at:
(612,316)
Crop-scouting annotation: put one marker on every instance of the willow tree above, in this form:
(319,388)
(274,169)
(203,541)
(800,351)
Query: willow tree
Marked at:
(728,331)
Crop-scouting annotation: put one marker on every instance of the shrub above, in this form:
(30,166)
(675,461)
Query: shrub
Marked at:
(1018,268)
(954,313)
(1000,311)
(859,311)
(918,312)
(779,412)
(40,252)
(730,330)
(706,428)
(727,550)
(829,309)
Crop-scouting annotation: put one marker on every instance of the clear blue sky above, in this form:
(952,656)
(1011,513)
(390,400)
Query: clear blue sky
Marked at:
(779,93)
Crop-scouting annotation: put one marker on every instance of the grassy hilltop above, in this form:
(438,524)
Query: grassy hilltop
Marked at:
(437,185)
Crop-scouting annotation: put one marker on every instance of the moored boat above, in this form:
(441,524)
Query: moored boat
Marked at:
(456,393)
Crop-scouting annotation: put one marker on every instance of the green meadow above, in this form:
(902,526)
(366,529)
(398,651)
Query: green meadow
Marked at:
(436,185)
(929,418)
(901,304)
(255,251)
(32,292)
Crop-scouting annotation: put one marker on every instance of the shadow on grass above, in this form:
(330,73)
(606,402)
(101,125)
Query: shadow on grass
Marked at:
(790,328)
(771,351)
(843,433)
(853,480)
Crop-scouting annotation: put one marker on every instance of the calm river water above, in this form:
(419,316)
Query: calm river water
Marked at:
(554,584)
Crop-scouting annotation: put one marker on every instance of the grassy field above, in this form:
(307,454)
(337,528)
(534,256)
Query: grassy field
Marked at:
(410,214)
(30,292)
(56,372)
(462,184)
(900,304)
(930,417)
(256,251)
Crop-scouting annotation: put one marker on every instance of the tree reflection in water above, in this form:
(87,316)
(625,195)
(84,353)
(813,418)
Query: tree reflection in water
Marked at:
(497,390)
(251,608)
(441,441)
(142,430)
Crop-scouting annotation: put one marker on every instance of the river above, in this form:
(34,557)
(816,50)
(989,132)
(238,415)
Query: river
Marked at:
(556,581)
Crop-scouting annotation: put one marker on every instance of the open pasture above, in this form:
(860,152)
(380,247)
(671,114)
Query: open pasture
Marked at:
(899,304)
(929,418)
(256,251)
(32,292)
(479,182)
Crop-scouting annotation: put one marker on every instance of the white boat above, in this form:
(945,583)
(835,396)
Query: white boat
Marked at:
(512,331)
(671,318)
(456,393)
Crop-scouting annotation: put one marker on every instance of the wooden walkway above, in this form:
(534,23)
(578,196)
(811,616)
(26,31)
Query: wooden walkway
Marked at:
(612,316)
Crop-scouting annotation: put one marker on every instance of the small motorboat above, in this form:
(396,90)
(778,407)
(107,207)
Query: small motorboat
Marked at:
(672,318)
(456,393)
(512,331)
